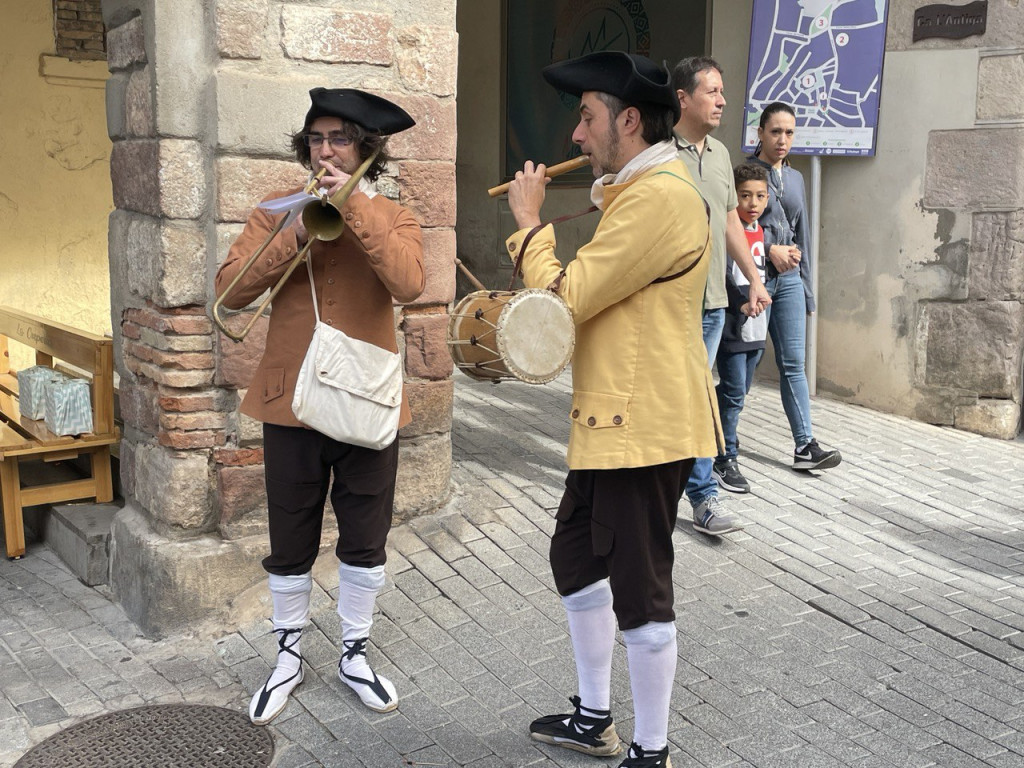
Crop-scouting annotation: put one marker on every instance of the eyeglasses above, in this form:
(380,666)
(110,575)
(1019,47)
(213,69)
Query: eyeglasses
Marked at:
(315,140)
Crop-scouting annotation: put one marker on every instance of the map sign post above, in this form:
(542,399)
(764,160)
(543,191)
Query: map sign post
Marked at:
(824,59)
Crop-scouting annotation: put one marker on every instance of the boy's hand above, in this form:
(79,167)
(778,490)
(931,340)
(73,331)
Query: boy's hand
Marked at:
(750,311)
(759,299)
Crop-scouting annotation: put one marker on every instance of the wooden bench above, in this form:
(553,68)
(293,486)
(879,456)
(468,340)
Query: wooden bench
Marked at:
(23,439)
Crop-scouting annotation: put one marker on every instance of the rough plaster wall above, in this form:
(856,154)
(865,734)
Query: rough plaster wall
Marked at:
(54,184)
(881,251)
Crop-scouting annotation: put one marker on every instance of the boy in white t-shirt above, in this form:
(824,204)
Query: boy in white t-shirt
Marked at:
(743,338)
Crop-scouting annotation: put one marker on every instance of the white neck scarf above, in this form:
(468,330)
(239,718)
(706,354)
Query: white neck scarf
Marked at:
(656,154)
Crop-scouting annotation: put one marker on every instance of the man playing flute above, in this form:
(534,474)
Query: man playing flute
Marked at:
(643,399)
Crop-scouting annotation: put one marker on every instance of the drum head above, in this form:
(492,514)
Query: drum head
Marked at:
(537,335)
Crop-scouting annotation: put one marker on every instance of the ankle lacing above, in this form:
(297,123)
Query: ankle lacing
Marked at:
(354,648)
(283,644)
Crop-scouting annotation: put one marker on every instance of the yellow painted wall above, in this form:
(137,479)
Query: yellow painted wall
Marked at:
(55,191)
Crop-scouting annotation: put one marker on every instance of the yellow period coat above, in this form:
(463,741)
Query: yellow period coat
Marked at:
(642,390)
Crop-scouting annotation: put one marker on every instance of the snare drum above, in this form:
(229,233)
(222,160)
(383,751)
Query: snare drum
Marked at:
(528,335)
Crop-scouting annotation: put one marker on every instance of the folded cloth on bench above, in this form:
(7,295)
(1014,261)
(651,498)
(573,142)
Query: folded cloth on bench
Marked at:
(32,389)
(68,407)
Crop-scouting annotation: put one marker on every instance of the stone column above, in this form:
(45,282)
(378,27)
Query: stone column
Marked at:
(200,103)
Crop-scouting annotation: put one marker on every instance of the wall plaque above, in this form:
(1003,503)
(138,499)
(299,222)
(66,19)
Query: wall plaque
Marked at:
(952,22)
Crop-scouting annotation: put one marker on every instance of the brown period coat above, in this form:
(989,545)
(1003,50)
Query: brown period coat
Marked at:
(377,260)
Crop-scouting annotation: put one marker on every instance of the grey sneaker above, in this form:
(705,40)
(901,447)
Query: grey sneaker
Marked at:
(709,517)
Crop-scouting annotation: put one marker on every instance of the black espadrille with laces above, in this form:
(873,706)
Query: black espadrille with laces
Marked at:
(591,731)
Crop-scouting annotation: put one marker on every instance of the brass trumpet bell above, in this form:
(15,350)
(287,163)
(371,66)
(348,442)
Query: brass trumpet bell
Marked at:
(323,221)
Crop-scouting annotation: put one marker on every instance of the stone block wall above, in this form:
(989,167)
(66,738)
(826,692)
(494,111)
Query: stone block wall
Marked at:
(974,347)
(201,100)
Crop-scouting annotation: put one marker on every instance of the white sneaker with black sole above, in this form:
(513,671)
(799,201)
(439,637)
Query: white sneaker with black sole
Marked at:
(811,456)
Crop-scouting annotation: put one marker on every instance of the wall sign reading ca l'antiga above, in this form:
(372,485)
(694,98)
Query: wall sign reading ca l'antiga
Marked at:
(952,22)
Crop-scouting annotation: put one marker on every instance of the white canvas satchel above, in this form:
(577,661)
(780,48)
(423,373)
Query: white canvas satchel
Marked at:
(348,389)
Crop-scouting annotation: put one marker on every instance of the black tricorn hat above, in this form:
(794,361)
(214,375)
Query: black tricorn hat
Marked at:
(633,78)
(375,114)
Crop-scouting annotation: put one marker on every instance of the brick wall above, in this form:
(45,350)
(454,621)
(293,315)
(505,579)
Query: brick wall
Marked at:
(78,29)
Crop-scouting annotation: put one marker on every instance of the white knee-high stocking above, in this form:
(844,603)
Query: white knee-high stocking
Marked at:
(651,650)
(592,629)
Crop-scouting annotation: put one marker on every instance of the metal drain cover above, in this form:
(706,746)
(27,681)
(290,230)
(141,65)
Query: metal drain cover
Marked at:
(160,736)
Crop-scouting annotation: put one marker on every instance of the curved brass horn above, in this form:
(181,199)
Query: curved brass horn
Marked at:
(323,221)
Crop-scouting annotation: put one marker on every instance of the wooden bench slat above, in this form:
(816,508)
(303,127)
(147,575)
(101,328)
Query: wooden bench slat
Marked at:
(12,442)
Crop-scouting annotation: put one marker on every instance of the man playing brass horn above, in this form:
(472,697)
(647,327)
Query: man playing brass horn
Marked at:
(643,399)
(376,260)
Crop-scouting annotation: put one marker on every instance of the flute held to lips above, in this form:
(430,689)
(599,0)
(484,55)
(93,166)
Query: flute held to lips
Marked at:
(551,172)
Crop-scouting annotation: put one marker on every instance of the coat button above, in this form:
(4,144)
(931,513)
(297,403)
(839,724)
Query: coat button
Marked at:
(512,247)
(270,262)
(591,421)
(348,217)
(330,302)
(330,281)
(575,413)
(365,234)
(330,322)
(358,224)
(333,262)
(617,420)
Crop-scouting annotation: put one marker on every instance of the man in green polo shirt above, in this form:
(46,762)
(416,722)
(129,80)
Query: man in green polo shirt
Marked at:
(698,84)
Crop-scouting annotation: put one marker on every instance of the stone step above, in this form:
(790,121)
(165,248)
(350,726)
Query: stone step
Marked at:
(79,534)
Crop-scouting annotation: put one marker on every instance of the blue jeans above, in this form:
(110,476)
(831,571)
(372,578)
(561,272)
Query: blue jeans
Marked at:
(735,374)
(787,325)
(701,483)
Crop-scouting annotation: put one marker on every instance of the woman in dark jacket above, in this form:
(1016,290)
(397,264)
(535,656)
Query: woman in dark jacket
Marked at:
(788,273)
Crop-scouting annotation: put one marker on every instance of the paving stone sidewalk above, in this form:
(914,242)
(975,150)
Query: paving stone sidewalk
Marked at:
(871,615)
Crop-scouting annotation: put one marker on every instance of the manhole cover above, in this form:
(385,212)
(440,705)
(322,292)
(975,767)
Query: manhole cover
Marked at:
(169,735)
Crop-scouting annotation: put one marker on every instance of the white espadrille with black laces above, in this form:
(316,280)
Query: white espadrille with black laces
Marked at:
(377,693)
(270,700)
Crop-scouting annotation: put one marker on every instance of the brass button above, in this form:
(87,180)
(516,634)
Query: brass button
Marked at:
(358,224)
(617,420)
(348,216)
(330,281)
(591,421)
(512,247)
(575,413)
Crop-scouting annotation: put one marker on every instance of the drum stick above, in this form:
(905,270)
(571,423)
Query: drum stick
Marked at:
(550,172)
(470,276)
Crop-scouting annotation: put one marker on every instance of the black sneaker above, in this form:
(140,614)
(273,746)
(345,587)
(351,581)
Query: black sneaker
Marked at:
(591,731)
(638,757)
(812,457)
(727,473)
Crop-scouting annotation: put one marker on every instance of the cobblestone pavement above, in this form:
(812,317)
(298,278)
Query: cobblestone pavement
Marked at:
(871,615)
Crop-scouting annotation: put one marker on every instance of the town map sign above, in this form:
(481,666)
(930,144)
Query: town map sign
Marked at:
(824,59)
